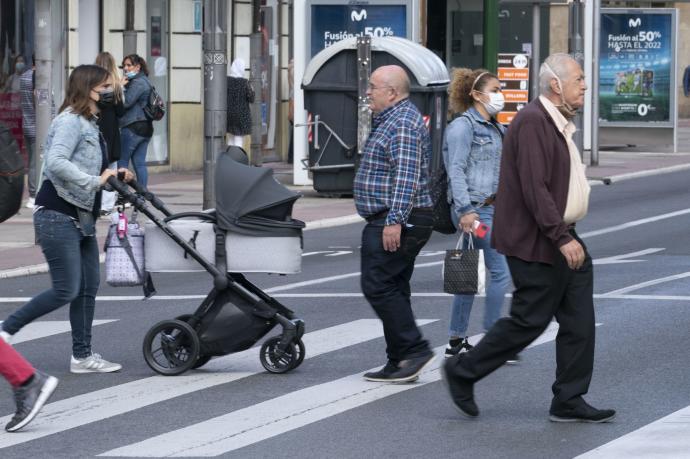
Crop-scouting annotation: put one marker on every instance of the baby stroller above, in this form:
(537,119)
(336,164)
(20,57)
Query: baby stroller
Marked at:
(250,230)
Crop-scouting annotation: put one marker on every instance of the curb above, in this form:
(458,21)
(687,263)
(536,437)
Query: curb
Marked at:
(639,174)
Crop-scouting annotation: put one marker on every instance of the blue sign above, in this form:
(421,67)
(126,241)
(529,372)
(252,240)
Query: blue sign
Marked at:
(635,67)
(332,23)
(197,16)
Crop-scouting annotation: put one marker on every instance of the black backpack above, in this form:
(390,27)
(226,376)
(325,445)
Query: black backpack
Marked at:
(438,188)
(155,107)
(11,174)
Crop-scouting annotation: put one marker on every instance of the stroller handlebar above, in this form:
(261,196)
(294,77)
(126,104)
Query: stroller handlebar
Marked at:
(141,192)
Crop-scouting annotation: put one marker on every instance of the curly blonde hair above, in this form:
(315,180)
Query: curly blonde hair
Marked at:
(461,86)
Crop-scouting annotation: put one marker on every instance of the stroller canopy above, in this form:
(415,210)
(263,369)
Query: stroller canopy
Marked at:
(250,201)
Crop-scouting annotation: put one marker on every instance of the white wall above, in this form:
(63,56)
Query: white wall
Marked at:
(88,21)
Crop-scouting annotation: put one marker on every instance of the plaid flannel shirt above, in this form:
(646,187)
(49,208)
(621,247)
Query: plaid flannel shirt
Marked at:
(394,171)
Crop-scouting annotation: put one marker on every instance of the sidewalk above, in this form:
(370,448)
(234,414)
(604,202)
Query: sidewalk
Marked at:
(19,255)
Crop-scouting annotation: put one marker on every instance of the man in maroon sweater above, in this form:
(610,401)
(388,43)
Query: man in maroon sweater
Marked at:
(542,192)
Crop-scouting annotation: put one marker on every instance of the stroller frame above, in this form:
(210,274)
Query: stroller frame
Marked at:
(182,340)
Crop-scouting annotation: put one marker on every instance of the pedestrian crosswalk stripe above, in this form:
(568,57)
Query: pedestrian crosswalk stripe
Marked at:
(115,400)
(270,418)
(43,328)
(661,439)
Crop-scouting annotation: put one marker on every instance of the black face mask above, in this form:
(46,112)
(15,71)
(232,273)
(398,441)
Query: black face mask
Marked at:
(106,98)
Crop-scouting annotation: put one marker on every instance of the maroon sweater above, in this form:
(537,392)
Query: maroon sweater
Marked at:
(532,188)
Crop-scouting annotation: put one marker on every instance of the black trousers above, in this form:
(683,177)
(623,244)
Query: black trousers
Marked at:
(542,292)
(386,285)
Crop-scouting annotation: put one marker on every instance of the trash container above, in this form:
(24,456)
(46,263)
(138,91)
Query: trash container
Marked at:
(330,98)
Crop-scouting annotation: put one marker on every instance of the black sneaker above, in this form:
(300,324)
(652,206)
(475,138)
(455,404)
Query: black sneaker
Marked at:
(384,374)
(581,413)
(30,399)
(515,360)
(456,346)
(461,391)
(410,369)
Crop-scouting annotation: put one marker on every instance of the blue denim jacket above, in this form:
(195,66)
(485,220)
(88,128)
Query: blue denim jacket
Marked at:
(136,97)
(73,158)
(472,156)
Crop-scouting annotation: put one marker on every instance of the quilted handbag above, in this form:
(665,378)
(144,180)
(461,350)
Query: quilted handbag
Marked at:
(460,269)
(124,257)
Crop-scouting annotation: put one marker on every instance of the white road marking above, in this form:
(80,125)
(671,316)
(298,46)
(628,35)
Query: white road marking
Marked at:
(282,414)
(115,400)
(41,329)
(625,258)
(662,439)
(634,223)
(649,283)
(606,296)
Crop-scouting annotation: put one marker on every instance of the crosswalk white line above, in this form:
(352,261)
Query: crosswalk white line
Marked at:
(282,414)
(43,328)
(662,439)
(115,400)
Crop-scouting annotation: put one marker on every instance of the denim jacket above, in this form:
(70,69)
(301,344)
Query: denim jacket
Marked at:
(73,158)
(472,156)
(136,97)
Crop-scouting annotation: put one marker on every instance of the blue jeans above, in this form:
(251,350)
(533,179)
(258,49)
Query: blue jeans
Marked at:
(134,147)
(499,282)
(74,270)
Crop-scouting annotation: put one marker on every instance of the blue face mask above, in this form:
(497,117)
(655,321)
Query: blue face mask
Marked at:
(20,66)
(130,74)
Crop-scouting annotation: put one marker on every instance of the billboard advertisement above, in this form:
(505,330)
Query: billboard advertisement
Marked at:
(332,23)
(637,67)
(513,73)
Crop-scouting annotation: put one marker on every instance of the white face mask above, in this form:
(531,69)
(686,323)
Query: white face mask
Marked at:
(496,102)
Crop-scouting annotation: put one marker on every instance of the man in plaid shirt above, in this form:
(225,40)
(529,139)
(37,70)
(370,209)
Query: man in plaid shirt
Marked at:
(391,191)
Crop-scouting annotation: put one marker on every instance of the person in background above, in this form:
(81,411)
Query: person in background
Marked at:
(67,206)
(28,104)
(472,155)
(135,128)
(240,95)
(112,108)
(12,83)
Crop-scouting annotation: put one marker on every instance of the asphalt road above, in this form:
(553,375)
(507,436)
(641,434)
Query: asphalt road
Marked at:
(636,231)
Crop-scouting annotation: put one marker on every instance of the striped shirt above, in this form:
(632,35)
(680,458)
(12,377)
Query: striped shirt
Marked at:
(394,171)
(26,89)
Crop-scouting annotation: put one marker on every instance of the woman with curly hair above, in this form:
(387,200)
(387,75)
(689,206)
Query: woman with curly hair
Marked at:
(472,156)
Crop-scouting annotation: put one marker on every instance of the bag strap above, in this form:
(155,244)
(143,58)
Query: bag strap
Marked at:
(470,243)
(128,248)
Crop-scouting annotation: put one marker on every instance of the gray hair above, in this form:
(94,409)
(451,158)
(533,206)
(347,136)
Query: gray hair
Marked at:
(555,63)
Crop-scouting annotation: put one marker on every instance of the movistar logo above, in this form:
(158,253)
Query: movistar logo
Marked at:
(637,22)
(358,16)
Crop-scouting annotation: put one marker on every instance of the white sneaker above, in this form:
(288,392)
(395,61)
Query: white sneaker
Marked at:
(6,337)
(93,364)
(31,203)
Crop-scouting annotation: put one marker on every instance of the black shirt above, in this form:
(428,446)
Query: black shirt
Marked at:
(109,125)
(48,197)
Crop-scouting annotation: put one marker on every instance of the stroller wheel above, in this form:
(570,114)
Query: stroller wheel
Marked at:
(300,354)
(171,347)
(203,359)
(276,361)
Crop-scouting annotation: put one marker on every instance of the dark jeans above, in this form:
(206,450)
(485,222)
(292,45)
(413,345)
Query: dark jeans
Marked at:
(386,285)
(74,270)
(541,292)
(134,147)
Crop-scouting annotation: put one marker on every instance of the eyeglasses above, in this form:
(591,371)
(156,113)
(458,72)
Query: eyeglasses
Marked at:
(374,88)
